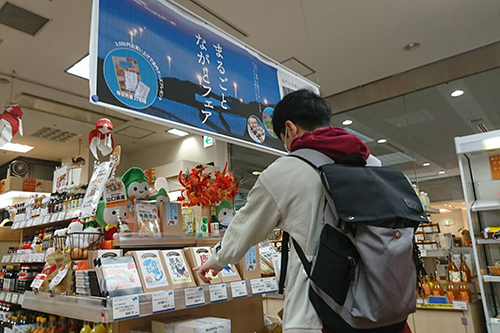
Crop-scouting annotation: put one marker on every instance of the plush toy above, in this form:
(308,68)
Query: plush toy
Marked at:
(136,184)
(73,241)
(224,213)
(100,138)
(10,123)
(161,197)
(108,218)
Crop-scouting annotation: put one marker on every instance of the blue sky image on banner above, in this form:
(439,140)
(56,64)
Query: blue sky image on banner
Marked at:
(153,60)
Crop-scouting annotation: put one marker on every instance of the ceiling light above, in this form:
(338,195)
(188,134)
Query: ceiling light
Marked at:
(347,122)
(412,46)
(382,140)
(81,68)
(444,210)
(16,147)
(426,164)
(442,172)
(256,173)
(457,93)
(177,132)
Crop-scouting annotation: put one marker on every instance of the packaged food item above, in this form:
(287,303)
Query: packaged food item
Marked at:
(147,219)
(151,271)
(179,272)
(59,274)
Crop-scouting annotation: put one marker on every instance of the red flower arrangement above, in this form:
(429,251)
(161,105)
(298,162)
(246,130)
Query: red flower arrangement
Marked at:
(201,189)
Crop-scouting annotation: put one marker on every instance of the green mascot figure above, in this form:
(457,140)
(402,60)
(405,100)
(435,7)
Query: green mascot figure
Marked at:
(225,214)
(161,197)
(108,218)
(136,184)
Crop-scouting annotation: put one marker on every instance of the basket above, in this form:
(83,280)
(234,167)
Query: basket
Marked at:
(79,243)
(495,270)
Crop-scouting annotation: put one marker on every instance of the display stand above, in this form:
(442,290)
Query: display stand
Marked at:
(477,158)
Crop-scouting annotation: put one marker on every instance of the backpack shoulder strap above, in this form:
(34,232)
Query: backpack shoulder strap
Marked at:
(313,157)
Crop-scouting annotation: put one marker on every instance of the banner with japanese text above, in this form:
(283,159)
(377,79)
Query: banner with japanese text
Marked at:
(156,59)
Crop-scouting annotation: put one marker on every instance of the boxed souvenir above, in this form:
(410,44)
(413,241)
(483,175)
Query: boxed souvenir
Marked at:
(229,273)
(197,256)
(103,254)
(171,218)
(249,266)
(118,276)
(198,325)
(178,270)
(151,271)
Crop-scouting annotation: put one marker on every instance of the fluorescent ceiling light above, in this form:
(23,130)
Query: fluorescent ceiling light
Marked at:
(382,141)
(426,164)
(347,122)
(177,132)
(16,147)
(256,173)
(442,172)
(457,93)
(444,210)
(81,68)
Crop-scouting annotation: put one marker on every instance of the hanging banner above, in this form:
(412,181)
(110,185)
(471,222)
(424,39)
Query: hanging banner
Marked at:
(155,58)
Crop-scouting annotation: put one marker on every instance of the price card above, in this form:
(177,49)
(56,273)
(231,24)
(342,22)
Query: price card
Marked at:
(8,297)
(38,220)
(459,305)
(21,299)
(46,218)
(6,258)
(53,217)
(258,286)
(218,292)
(239,289)
(125,307)
(194,296)
(30,222)
(15,298)
(2,296)
(163,301)
(76,213)
(271,284)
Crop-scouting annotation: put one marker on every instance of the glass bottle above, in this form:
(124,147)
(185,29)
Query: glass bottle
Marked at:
(427,286)
(451,291)
(453,271)
(464,292)
(52,326)
(465,273)
(437,289)
(86,328)
(62,325)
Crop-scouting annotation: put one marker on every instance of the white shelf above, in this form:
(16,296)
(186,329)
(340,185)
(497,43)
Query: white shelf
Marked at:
(433,253)
(491,278)
(164,240)
(11,297)
(488,241)
(482,205)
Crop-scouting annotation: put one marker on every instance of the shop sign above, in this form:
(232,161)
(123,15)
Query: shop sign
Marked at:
(208,141)
(495,166)
(155,60)
(29,185)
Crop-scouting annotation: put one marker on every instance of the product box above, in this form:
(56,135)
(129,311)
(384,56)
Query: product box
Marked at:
(118,276)
(249,266)
(199,325)
(151,271)
(178,269)
(229,273)
(171,218)
(187,220)
(25,185)
(102,254)
(197,256)
(201,226)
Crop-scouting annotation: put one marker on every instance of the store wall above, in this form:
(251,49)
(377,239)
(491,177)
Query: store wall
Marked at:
(457,218)
(86,171)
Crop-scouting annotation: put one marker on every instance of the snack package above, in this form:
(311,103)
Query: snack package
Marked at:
(59,274)
(147,224)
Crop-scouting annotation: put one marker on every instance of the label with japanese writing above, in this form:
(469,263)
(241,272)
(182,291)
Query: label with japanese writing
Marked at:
(202,255)
(176,266)
(114,193)
(459,305)
(194,296)
(125,307)
(2,296)
(15,298)
(151,269)
(37,282)
(495,166)
(239,289)
(6,258)
(8,297)
(258,286)
(163,301)
(218,292)
(271,284)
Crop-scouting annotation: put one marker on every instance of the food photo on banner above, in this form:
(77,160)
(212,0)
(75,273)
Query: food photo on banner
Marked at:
(156,60)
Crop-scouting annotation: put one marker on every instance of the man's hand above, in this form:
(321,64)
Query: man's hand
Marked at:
(204,269)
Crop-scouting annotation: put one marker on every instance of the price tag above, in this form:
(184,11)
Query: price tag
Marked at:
(8,297)
(53,217)
(6,258)
(21,299)
(38,220)
(37,282)
(46,218)
(15,298)
(258,286)
(271,284)
(194,296)
(218,292)
(423,253)
(2,296)
(30,222)
(459,305)
(239,289)
(163,301)
(125,307)
(76,213)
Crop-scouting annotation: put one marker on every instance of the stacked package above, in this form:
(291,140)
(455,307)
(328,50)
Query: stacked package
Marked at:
(86,283)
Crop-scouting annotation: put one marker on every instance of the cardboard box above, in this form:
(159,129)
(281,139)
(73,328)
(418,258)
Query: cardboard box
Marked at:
(26,185)
(200,325)
(151,271)
(102,254)
(171,218)
(197,256)
(249,266)
(178,269)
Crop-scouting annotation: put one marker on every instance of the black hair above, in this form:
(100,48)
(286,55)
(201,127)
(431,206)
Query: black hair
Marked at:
(304,108)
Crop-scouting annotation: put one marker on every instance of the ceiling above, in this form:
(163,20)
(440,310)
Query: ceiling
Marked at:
(345,43)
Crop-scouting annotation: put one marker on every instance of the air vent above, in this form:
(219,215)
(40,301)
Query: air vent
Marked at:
(135,132)
(298,66)
(54,134)
(21,19)
(217,16)
(482,128)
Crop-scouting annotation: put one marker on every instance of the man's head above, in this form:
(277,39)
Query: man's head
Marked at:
(299,112)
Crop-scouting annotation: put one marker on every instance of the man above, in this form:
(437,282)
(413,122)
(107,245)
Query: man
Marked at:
(289,195)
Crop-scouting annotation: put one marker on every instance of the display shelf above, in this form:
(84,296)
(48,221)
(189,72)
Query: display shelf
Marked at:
(11,297)
(92,308)
(446,307)
(491,278)
(433,253)
(482,205)
(21,258)
(488,241)
(165,240)
(431,210)
(45,220)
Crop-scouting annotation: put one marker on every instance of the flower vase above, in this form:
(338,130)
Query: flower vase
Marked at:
(205,212)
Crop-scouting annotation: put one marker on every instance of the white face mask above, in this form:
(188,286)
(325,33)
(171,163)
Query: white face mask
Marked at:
(284,142)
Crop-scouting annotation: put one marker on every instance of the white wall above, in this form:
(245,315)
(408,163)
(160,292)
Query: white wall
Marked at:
(457,218)
(87,168)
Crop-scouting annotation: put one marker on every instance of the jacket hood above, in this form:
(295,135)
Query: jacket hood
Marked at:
(334,142)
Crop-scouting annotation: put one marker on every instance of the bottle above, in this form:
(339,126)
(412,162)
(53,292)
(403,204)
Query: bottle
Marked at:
(427,286)
(415,188)
(453,271)
(465,273)
(464,292)
(451,291)
(98,328)
(62,325)
(86,328)
(437,290)
(37,325)
(2,276)
(52,326)
(71,325)
(422,198)
(427,200)
(214,223)
(43,325)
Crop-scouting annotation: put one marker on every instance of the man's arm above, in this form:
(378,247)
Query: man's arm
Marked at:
(252,224)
